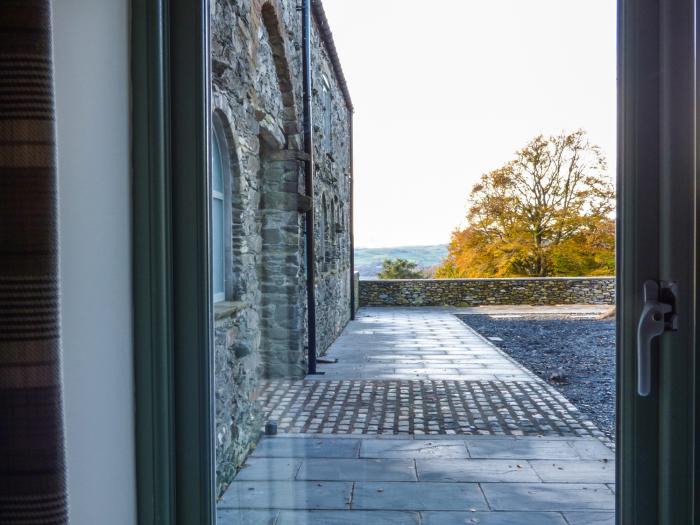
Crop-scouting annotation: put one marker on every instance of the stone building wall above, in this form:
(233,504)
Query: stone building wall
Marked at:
(261,326)
(479,292)
(332,204)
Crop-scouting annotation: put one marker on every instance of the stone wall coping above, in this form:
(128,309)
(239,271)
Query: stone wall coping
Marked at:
(486,279)
(493,291)
(228,309)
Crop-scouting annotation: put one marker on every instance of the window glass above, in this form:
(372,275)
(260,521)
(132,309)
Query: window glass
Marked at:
(217,220)
(217,170)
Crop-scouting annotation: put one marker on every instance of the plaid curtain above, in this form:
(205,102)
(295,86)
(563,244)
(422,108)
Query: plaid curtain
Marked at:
(32,465)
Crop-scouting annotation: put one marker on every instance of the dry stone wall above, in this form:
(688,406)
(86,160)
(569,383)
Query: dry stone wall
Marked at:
(479,292)
(261,326)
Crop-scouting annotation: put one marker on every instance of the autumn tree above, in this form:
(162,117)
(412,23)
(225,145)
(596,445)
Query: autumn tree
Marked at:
(400,269)
(547,212)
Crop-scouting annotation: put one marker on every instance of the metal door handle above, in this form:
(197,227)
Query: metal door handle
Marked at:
(656,318)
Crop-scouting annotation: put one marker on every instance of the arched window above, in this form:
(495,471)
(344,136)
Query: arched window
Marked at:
(327,104)
(334,233)
(323,232)
(217,220)
(327,233)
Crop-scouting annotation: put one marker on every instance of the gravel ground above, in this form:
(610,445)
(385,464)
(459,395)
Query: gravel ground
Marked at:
(573,353)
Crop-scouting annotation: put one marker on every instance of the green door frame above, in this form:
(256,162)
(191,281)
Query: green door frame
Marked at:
(637,188)
(173,331)
(656,240)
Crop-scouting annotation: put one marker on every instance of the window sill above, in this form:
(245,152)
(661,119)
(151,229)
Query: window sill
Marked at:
(228,309)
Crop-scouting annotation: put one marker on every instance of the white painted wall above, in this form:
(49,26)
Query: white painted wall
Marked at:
(91,39)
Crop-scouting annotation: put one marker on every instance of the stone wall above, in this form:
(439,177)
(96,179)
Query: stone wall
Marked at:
(261,326)
(479,292)
(237,365)
(356,290)
(332,199)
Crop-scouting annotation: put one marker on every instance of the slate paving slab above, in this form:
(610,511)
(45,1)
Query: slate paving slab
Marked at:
(523,449)
(418,496)
(358,470)
(430,336)
(548,496)
(351,517)
(246,517)
(476,470)
(590,518)
(492,518)
(269,469)
(413,449)
(287,495)
(281,447)
(574,471)
(592,449)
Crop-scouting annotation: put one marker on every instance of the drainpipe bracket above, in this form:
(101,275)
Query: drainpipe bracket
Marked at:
(304,203)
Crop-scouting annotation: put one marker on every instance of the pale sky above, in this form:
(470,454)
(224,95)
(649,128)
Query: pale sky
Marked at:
(446,90)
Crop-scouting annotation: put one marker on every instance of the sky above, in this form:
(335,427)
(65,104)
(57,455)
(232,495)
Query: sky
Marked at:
(447,90)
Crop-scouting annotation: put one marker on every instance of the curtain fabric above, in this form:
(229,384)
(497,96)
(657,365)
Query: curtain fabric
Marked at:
(32,465)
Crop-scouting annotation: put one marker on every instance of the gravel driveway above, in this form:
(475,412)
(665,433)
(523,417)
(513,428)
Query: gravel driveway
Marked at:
(575,354)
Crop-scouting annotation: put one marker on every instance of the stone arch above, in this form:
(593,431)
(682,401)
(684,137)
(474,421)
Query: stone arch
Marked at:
(281,268)
(269,17)
(281,223)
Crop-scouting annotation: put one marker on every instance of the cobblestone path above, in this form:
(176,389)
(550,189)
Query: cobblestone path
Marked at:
(423,407)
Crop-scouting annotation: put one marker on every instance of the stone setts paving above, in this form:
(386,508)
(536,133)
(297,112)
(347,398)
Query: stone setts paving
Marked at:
(422,421)
(423,407)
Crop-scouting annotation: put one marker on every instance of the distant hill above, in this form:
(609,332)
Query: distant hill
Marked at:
(368,261)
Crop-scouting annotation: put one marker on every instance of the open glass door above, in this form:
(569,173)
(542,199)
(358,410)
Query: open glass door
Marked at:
(656,254)
(656,243)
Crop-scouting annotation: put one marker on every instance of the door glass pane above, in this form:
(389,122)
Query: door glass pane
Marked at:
(476,381)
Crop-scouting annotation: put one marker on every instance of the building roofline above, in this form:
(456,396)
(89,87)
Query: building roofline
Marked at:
(327,38)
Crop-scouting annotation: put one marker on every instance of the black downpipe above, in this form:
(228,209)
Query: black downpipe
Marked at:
(352,222)
(309,185)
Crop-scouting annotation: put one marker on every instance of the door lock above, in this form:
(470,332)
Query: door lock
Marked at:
(658,316)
